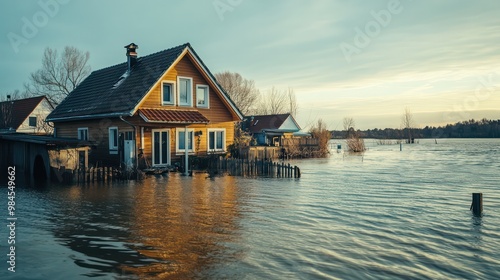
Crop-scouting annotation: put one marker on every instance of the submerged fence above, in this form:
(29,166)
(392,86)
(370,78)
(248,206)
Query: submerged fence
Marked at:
(252,168)
(93,174)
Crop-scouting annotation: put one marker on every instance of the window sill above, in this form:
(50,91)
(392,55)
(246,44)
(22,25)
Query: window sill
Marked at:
(216,151)
(181,153)
(113,152)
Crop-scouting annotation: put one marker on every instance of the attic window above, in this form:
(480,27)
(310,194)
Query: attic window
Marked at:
(121,79)
(32,121)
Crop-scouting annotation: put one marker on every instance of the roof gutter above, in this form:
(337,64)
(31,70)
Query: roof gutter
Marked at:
(86,117)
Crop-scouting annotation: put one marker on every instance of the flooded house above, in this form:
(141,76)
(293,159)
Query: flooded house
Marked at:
(149,111)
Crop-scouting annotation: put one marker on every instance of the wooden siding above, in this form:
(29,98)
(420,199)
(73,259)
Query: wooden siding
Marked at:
(98,134)
(200,148)
(217,112)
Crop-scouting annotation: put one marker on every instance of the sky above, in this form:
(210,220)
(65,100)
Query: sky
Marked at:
(367,60)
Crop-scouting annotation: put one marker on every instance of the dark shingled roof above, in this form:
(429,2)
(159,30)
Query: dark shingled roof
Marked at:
(172,116)
(264,122)
(21,109)
(100,94)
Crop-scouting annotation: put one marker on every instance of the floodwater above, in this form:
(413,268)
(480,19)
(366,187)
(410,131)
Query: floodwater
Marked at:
(387,214)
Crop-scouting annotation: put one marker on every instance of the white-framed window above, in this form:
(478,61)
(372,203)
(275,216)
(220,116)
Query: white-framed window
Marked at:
(160,146)
(128,135)
(180,143)
(216,139)
(185,91)
(113,140)
(32,121)
(83,133)
(202,96)
(168,93)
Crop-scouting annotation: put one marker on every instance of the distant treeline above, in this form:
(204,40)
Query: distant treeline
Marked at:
(467,129)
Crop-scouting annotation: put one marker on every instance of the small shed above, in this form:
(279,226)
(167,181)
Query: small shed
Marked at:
(35,156)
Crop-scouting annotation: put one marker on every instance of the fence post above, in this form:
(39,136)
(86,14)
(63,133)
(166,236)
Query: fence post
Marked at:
(87,174)
(477,204)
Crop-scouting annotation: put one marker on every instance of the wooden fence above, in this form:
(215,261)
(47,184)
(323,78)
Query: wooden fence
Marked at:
(260,152)
(252,168)
(290,148)
(92,174)
(301,142)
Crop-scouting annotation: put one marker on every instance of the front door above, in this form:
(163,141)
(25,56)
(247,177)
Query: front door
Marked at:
(161,147)
(129,149)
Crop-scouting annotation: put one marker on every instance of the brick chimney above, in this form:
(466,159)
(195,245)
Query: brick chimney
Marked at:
(131,55)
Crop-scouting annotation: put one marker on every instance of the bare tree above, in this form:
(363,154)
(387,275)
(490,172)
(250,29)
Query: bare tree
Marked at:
(277,101)
(43,127)
(59,75)
(349,125)
(408,124)
(353,138)
(241,91)
(320,132)
(292,100)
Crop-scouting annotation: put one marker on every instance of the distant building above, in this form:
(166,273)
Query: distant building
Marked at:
(25,115)
(270,130)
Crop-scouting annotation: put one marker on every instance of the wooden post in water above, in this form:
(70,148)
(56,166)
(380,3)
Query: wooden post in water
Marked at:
(87,175)
(477,204)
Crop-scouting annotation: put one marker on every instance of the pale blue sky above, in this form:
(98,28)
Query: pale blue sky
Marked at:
(363,59)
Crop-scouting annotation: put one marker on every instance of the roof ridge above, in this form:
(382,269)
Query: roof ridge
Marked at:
(142,57)
(24,99)
(284,114)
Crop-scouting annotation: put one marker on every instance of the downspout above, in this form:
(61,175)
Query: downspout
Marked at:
(186,152)
(135,140)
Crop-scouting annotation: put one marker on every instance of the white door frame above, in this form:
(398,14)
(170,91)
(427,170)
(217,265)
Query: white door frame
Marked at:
(167,130)
(128,148)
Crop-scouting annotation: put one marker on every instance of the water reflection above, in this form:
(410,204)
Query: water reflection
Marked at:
(476,231)
(161,227)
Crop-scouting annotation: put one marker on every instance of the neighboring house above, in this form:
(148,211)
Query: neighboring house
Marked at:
(149,110)
(270,130)
(26,115)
